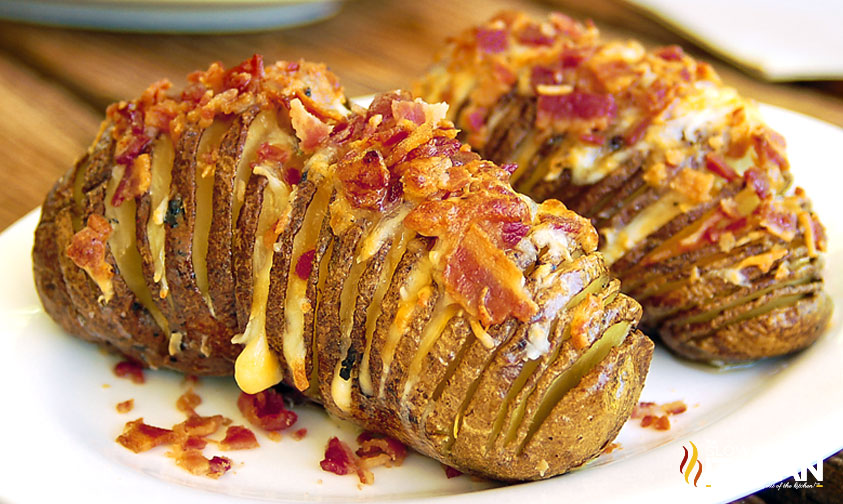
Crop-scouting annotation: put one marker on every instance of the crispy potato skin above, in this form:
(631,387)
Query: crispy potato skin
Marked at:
(376,308)
(618,133)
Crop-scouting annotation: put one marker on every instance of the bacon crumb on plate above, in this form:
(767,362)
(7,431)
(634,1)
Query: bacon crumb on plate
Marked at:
(266,410)
(131,370)
(450,472)
(655,415)
(238,437)
(187,402)
(140,437)
(125,406)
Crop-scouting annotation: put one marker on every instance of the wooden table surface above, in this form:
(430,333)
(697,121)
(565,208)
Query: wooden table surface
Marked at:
(55,83)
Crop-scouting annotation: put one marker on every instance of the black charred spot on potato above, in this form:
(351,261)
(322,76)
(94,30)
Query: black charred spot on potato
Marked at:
(347,364)
(174,210)
(616,142)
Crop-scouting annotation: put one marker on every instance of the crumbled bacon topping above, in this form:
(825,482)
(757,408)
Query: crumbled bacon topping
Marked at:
(266,410)
(87,250)
(131,370)
(602,97)
(135,182)
(408,153)
(312,96)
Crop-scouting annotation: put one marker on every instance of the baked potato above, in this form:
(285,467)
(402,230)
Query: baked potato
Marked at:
(685,183)
(253,224)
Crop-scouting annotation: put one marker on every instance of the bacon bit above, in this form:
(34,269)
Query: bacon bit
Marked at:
(581,319)
(717,165)
(670,53)
(758,181)
(218,466)
(140,437)
(238,437)
(611,447)
(266,410)
(194,443)
(492,41)
(135,181)
(533,35)
(572,224)
(412,111)
(543,76)
(509,168)
(662,423)
(200,426)
(485,282)
(776,219)
(339,459)
(593,139)
(299,434)
(512,233)
(195,463)
(365,179)
(130,369)
(187,402)
(376,449)
(309,128)
(674,408)
(292,176)
(125,406)
(450,472)
(268,153)
(694,185)
(87,250)
(656,416)
(636,133)
(577,105)
(304,265)
(770,147)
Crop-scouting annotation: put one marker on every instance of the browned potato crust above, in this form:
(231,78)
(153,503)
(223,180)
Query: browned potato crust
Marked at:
(392,320)
(673,168)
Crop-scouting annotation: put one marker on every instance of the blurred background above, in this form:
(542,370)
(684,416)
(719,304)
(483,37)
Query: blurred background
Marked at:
(55,82)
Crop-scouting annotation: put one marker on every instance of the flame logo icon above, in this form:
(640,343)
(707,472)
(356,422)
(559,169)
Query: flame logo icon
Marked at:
(690,464)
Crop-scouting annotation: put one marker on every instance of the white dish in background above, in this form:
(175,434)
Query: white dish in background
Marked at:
(170,16)
(781,40)
(753,425)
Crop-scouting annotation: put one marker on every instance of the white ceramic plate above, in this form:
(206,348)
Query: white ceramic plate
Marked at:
(778,39)
(170,16)
(752,426)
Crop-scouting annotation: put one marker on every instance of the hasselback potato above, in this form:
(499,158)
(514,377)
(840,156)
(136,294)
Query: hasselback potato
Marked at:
(682,179)
(254,224)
